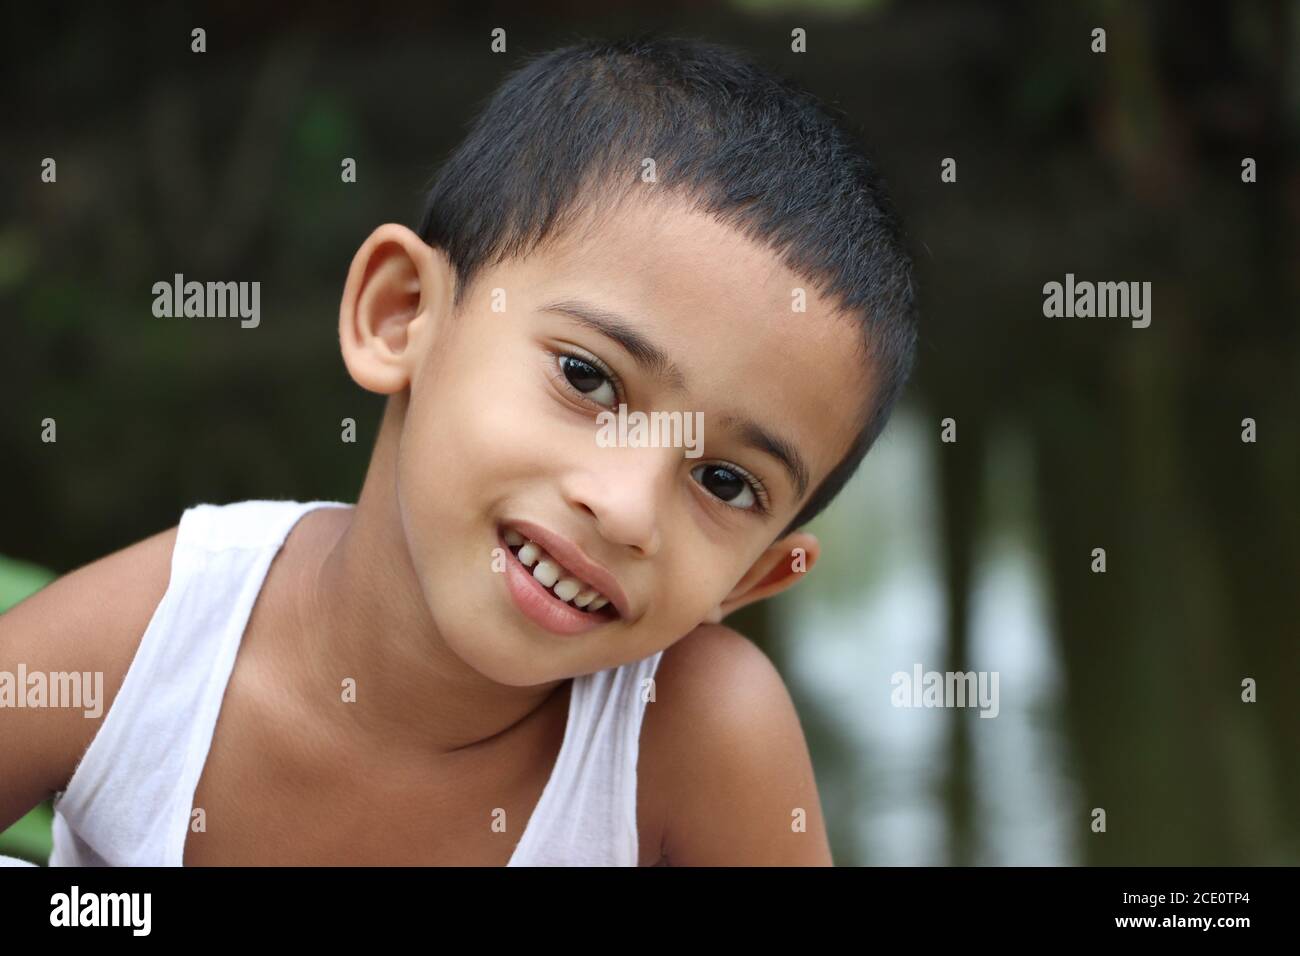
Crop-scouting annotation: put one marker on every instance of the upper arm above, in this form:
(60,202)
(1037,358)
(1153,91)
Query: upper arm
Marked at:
(741,789)
(89,620)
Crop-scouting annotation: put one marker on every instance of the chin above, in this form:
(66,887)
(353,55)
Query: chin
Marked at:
(504,654)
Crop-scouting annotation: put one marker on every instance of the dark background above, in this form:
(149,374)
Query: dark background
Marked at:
(1121,166)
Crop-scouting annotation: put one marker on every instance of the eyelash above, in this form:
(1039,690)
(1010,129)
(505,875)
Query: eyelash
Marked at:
(599,366)
(763,501)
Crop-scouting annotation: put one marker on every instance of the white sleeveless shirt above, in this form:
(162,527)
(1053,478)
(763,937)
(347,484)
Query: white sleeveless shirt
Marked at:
(129,801)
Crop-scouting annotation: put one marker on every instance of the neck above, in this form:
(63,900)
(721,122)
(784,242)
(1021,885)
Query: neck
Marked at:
(364,616)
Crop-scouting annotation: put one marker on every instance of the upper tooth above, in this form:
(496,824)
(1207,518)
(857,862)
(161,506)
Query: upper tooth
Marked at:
(565,588)
(547,571)
(553,576)
(513,537)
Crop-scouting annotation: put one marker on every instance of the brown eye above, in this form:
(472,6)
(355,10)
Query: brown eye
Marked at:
(588,379)
(727,484)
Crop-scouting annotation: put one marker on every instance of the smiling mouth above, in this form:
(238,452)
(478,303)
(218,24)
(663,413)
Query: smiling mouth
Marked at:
(560,584)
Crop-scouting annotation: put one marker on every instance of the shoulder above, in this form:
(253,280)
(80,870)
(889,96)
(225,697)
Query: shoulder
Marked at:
(715,670)
(724,739)
(89,620)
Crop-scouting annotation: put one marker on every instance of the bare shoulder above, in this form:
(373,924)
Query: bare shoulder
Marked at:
(89,620)
(723,741)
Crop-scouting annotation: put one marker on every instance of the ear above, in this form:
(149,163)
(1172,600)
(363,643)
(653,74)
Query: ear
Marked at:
(781,566)
(398,291)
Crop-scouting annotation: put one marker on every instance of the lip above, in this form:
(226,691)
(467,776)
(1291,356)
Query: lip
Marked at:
(571,556)
(542,607)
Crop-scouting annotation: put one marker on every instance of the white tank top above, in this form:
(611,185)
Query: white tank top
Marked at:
(129,801)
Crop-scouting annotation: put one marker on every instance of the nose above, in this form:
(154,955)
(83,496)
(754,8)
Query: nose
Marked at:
(625,490)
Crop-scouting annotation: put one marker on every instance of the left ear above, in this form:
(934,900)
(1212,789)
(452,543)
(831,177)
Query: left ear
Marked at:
(779,567)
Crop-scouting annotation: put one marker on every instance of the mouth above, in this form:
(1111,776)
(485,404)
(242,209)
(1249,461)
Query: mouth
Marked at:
(549,593)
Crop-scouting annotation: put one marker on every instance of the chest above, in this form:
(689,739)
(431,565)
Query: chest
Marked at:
(276,790)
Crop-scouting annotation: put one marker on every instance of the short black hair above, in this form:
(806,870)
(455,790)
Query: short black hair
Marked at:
(570,127)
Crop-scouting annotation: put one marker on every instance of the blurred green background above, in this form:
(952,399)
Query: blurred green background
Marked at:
(1118,690)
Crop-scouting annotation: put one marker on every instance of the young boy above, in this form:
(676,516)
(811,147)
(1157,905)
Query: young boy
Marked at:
(509,650)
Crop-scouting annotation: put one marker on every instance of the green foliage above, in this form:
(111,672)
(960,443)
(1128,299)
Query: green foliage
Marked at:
(19,579)
(31,837)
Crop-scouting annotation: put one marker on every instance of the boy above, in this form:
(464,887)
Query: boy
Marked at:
(516,623)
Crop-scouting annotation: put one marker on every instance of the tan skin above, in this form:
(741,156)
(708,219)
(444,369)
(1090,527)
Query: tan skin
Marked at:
(462,701)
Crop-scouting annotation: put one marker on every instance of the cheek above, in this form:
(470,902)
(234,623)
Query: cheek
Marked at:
(474,430)
(701,579)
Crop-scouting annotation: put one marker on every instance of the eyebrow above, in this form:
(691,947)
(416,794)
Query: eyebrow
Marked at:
(645,353)
(655,361)
(756,436)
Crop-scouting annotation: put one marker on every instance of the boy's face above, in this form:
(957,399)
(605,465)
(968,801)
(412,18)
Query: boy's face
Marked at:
(501,428)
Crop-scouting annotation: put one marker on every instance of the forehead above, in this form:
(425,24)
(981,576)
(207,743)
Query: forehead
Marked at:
(722,306)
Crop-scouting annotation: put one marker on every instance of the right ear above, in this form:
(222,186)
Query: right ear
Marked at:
(399,290)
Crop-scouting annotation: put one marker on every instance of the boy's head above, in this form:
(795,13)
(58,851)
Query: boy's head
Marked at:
(656,223)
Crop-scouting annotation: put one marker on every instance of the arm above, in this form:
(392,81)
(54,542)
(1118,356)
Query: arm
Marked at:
(92,620)
(741,785)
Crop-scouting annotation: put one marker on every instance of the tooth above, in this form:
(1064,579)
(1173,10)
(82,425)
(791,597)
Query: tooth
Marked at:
(529,554)
(513,537)
(547,571)
(597,604)
(585,598)
(566,588)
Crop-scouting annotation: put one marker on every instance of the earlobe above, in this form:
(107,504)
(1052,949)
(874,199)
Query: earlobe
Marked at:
(780,567)
(396,288)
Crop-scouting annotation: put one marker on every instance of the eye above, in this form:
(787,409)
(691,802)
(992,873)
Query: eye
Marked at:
(587,377)
(734,486)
